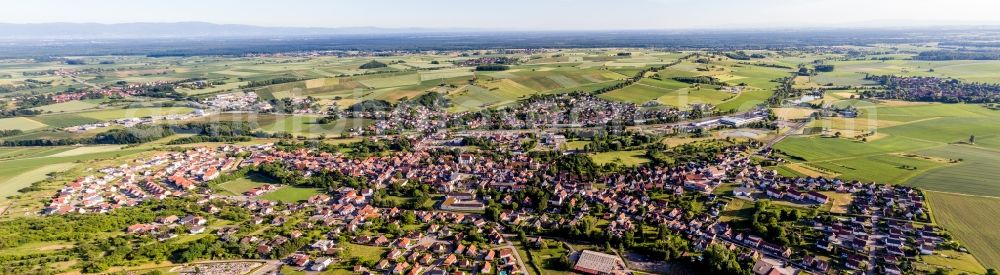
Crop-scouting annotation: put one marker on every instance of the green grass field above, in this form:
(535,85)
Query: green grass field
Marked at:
(365,252)
(290,194)
(241,185)
(955,261)
(972,220)
(627,158)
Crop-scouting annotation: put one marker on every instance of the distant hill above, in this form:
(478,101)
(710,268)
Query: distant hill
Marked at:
(181,30)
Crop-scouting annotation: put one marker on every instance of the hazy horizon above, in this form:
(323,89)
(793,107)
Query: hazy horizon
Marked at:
(517,15)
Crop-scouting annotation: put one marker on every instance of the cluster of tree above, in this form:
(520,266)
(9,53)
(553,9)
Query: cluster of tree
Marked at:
(741,55)
(933,89)
(200,139)
(282,174)
(704,79)
(783,91)
(133,135)
(371,105)
(374,64)
(25,102)
(663,246)
(161,91)
(716,259)
(824,68)
(765,222)
(221,128)
(604,142)
(363,148)
(574,164)
(492,67)
(433,100)
(695,152)
(767,65)
(289,105)
(957,55)
(10,132)
(262,83)
(417,197)
(19,112)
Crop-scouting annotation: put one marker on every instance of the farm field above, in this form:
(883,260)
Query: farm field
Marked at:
(64,120)
(69,106)
(968,176)
(12,169)
(970,219)
(10,186)
(879,168)
(135,112)
(19,123)
(29,152)
(88,150)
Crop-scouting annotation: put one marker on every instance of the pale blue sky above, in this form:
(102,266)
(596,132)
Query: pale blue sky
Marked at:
(513,14)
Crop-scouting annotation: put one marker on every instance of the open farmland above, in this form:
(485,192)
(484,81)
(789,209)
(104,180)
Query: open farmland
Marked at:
(307,126)
(70,106)
(967,177)
(971,219)
(135,112)
(19,123)
(65,120)
(10,186)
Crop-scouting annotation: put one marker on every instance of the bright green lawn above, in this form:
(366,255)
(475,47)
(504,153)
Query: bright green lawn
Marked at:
(290,194)
(627,158)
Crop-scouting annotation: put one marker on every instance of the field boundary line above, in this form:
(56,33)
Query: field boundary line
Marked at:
(963,194)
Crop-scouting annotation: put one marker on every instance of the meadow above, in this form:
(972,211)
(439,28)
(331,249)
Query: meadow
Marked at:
(290,194)
(627,158)
(244,184)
